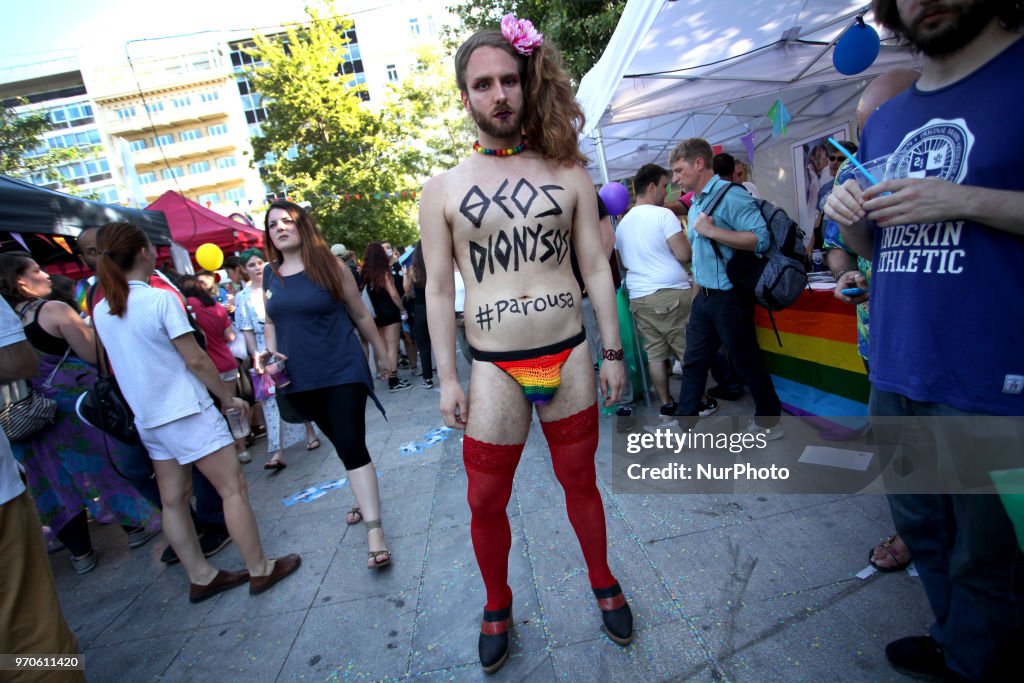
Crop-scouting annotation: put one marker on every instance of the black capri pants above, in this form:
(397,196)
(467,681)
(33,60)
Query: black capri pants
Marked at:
(340,413)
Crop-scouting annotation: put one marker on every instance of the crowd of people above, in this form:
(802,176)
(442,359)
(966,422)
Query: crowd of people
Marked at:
(310,314)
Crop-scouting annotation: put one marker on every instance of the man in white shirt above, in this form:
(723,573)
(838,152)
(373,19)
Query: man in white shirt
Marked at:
(31,621)
(652,249)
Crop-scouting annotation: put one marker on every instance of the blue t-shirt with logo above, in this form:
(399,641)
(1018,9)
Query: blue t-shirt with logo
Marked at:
(947,300)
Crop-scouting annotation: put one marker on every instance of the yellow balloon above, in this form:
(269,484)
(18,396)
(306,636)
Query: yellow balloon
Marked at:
(209,256)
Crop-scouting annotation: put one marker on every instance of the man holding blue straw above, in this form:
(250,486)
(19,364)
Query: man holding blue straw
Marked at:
(947,241)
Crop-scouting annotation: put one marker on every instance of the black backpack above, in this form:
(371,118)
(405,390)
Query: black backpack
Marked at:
(777,277)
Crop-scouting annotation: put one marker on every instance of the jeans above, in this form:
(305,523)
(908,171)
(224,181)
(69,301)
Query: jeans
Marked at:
(725,317)
(967,557)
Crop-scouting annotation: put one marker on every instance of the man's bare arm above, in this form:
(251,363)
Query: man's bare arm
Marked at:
(680,247)
(440,293)
(597,277)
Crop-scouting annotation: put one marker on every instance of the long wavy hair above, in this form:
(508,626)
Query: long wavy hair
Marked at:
(13,265)
(319,264)
(191,287)
(419,270)
(376,269)
(119,245)
(552,120)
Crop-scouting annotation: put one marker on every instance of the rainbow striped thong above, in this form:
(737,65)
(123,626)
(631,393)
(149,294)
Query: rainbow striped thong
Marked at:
(537,371)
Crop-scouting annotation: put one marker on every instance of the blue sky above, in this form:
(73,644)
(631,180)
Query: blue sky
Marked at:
(39,30)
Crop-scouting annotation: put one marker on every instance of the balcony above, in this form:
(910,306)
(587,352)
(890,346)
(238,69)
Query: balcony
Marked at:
(202,147)
(193,182)
(171,116)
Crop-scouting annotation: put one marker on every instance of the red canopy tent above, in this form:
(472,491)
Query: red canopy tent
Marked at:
(192,225)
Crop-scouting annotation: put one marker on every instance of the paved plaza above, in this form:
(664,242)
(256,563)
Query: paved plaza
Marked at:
(723,587)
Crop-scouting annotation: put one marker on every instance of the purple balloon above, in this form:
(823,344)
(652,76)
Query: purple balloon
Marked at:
(615,197)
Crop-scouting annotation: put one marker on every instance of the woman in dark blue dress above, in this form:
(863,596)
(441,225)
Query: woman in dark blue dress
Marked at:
(313,309)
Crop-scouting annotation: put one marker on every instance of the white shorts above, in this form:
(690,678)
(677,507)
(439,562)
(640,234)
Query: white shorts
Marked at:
(189,438)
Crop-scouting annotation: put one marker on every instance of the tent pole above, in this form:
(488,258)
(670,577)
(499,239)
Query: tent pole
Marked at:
(602,161)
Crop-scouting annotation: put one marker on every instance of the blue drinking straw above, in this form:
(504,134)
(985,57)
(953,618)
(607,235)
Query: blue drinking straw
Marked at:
(867,174)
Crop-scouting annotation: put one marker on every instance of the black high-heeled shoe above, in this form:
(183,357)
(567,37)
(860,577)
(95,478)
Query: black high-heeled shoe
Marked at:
(615,613)
(493,644)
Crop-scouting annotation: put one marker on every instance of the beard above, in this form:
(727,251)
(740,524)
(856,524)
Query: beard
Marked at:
(496,128)
(971,19)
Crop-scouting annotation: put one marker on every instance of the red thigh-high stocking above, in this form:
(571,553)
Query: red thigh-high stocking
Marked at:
(491,468)
(573,443)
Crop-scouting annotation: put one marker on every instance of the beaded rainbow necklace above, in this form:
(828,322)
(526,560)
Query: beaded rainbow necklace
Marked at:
(512,151)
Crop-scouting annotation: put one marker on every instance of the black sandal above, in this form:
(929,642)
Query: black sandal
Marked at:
(493,645)
(615,613)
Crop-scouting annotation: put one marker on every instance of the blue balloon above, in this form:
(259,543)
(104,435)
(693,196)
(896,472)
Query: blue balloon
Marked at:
(615,197)
(856,50)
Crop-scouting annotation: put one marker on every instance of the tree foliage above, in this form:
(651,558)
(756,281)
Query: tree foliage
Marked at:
(426,104)
(580,29)
(320,141)
(21,133)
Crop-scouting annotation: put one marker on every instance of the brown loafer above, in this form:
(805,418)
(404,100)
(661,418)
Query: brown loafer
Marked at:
(283,566)
(221,582)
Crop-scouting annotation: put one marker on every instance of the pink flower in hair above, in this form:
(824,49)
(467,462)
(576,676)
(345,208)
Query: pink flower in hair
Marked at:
(521,34)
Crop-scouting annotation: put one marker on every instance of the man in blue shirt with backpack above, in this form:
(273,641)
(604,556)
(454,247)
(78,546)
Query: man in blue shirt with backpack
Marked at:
(721,313)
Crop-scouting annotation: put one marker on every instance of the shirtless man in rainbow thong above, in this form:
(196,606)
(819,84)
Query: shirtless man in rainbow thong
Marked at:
(507,215)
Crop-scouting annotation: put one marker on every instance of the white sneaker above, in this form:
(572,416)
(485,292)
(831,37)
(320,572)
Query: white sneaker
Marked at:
(665,423)
(707,408)
(244,457)
(677,368)
(770,433)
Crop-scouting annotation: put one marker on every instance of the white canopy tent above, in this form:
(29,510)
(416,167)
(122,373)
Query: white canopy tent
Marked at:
(713,68)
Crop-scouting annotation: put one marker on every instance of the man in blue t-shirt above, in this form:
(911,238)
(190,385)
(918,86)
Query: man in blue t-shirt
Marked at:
(946,241)
(721,314)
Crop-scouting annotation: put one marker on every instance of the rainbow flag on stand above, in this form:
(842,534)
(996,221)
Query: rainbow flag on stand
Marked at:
(817,371)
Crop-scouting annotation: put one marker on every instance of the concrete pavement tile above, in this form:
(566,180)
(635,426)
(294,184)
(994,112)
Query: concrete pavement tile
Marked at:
(890,606)
(823,544)
(715,568)
(798,637)
(876,507)
(295,592)
(252,650)
(306,532)
(162,608)
(88,614)
(452,600)
(668,651)
(407,516)
(659,516)
(522,666)
(415,476)
(144,660)
(348,579)
(570,610)
(365,639)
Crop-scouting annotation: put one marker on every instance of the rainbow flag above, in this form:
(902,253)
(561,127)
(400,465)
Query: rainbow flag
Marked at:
(817,370)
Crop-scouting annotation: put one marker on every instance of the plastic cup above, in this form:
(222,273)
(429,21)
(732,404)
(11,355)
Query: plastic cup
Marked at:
(237,423)
(888,167)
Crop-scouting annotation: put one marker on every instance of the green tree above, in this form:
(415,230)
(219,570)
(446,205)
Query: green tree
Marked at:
(321,142)
(580,29)
(20,135)
(426,104)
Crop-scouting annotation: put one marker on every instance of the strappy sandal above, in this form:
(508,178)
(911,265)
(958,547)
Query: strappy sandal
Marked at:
(355,513)
(376,559)
(887,547)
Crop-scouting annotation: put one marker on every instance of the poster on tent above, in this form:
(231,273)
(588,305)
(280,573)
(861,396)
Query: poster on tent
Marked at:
(813,177)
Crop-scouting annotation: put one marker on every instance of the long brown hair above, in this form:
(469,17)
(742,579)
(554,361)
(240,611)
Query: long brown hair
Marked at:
(13,265)
(552,119)
(376,269)
(119,245)
(419,270)
(319,264)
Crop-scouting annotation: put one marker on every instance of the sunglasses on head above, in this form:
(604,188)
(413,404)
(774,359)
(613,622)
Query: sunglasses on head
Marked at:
(838,157)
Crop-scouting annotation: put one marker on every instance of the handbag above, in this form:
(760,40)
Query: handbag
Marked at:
(27,411)
(262,386)
(104,407)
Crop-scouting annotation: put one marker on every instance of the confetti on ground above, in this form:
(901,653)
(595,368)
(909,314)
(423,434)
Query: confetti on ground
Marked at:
(313,492)
(429,439)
